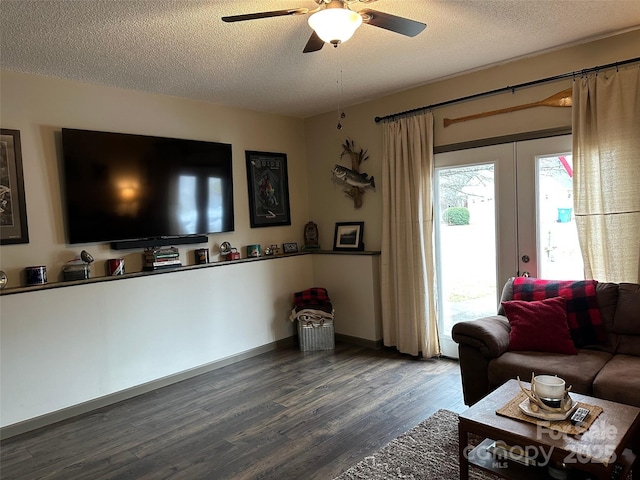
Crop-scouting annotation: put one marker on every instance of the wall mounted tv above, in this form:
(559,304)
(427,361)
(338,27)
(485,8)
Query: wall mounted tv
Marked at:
(121,187)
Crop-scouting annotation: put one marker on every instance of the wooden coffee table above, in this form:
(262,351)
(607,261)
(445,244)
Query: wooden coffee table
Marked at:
(600,452)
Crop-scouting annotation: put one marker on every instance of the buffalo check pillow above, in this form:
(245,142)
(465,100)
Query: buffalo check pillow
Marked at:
(583,313)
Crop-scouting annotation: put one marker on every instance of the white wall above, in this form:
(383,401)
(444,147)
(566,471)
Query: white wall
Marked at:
(65,346)
(353,283)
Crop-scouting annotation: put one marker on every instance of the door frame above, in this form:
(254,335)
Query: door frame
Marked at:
(508,207)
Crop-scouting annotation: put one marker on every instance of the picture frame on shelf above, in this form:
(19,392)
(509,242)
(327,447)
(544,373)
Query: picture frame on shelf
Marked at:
(349,236)
(13,207)
(291,247)
(268,185)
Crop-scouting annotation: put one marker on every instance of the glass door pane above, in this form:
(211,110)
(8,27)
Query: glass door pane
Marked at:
(559,254)
(474,208)
(547,236)
(466,233)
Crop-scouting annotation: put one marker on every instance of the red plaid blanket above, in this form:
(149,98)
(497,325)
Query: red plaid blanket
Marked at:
(583,313)
(311,296)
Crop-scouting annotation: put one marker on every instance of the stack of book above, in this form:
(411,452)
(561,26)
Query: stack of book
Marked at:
(157,258)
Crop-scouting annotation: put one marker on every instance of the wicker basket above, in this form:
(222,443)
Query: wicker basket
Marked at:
(316,335)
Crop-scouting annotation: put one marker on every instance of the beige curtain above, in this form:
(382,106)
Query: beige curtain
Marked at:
(407,271)
(606,157)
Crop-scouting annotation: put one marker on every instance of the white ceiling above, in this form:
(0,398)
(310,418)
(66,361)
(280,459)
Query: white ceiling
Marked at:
(182,48)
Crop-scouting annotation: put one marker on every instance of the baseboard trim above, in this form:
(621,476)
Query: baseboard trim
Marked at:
(90,405)
(361,342)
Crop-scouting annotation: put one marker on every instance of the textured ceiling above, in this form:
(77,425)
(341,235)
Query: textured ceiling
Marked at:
(182,48)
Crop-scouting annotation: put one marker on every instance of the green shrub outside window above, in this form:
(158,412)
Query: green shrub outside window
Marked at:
(456,216)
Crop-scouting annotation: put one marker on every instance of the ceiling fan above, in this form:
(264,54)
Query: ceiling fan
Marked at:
(334,22)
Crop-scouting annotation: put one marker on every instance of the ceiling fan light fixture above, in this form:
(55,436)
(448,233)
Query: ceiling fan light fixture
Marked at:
(335,24)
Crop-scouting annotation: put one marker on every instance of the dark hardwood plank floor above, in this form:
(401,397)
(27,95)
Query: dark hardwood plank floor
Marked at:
(281,415)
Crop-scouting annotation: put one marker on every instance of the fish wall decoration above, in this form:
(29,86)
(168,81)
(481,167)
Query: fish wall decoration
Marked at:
(356,182)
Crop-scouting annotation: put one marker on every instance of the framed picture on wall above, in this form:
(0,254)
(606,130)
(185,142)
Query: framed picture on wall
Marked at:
(291,247)
(268,185)
(13,208)
(349,236)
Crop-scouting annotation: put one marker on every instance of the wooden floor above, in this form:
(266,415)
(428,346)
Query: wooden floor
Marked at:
(281,415)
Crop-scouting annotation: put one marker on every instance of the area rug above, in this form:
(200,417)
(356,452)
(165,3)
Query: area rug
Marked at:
(428,451)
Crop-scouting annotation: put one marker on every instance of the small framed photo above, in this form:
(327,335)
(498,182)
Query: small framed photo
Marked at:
(349,236)
(13,209)
(268,189)
(290,247)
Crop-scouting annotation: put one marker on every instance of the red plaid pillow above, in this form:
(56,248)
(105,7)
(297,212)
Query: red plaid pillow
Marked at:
(583,313)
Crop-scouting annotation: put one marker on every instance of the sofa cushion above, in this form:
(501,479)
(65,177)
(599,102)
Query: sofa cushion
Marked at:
(619,380)
(607,294)
(583,313)
(507,294)
(539,326)
(627,318)
(577,370)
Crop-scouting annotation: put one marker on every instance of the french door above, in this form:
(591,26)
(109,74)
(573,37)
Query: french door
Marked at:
(501,211)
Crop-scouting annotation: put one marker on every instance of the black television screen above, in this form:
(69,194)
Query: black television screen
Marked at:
(122,187)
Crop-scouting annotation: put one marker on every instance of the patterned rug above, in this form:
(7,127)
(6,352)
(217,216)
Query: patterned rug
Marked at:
(428,451)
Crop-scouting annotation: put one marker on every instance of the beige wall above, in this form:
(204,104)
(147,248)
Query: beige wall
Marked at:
(327,202)
(39,107)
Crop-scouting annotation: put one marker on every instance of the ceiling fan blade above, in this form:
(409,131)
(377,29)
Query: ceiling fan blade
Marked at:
(314,44)
(401,25)
(275,13)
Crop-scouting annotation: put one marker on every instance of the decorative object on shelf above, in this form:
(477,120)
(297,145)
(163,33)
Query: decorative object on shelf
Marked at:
(291,247)
(356,181)
(75,270)
(253,250)
(276,249)
(13,208)
(268,189)
(229,252)
(3,279)
(78,268)
(268,251)
(115,266)
(311,238)
(201,256)
(86,256)
(159,258)
(349,236)
(36,275)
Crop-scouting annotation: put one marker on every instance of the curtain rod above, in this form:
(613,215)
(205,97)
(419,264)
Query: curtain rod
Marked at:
(511,88)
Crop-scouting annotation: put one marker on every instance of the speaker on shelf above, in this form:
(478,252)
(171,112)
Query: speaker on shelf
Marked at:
(158,242)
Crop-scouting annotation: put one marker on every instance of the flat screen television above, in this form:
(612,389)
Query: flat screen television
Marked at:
(121,186)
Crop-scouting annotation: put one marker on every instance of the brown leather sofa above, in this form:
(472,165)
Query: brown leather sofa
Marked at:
(609,371)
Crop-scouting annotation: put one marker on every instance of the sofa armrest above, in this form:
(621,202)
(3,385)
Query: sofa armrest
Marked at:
(479,341)
(490,335)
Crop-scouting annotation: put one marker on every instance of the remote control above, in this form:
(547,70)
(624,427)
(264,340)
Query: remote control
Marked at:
(579,415)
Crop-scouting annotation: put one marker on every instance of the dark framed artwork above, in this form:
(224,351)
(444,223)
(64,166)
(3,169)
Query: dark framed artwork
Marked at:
(268,189)
(349,236)
(13,208)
